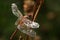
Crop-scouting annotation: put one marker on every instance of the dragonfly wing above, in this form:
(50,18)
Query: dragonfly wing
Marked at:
(15,10)
(27,31)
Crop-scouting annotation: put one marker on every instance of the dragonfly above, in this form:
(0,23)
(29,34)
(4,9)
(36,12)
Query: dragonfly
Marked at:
(23,23)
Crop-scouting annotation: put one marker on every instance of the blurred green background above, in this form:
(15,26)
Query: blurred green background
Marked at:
(48,18)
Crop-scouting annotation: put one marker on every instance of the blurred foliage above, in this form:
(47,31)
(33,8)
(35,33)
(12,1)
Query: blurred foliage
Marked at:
(48,29)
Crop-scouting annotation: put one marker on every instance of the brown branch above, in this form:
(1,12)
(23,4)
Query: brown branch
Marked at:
(41,1)
(13,34)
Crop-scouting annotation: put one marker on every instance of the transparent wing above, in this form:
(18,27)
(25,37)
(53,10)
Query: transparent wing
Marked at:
(15,10)
(27,31)
(27,27)
(31,24)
